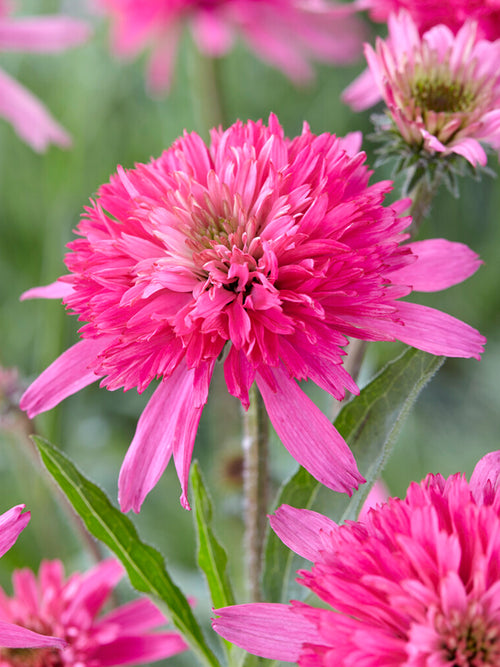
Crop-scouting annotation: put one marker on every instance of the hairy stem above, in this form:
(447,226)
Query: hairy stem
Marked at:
(422,196)
(255,482)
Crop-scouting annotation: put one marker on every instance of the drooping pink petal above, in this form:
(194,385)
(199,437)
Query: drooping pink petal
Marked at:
(440,264)
(301,530)
(29,117)
(56,290)
(272,631)
(130,650)
(471,150)
(160,432)
(15,636)
(135,617)
(362,93)
(65,376)
(48,34)
(437,332)
(308,435)
(12,523)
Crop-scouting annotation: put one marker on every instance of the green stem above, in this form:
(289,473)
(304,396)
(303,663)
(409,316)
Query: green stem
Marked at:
(255,483)
(205,92)
(422,196)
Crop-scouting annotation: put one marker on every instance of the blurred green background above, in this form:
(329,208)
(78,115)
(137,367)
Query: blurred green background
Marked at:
(103,103)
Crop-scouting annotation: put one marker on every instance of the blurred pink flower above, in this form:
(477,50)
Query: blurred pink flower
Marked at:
(68,608)
(267,250)
(44,34)
(12,523)
(452,13)
(442,91)
(285,33)
(416,584)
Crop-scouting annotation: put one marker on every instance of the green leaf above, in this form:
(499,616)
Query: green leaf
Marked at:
(144,565)
(370,424)
(212,557)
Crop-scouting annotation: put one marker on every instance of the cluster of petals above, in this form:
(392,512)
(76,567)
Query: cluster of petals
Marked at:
(416,583)
(13,636)
(452,13)
(266,250)
(285,33)
(41,34)
(442,91)
(69,608)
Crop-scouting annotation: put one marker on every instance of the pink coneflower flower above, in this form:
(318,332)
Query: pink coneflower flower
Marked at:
(68,608)
(44,34)
(442,91)
(416,584)
(12,635)
(285,33)
(452,13)
(267,250)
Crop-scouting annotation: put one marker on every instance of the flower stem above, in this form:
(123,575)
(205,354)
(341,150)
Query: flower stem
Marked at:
(422,196)
(255,482)
(205,92)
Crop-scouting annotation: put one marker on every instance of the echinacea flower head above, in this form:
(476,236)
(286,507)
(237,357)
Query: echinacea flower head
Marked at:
(442,91)
(285,33)
(452,13)
(13,636)
(266,250)
(69,608)
(415,584)
(45,34)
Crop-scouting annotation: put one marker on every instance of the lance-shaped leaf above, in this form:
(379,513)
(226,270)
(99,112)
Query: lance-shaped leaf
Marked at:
(212,557)
(144,565)
(370,424)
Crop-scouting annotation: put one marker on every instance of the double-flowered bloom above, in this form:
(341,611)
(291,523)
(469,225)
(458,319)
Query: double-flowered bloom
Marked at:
(69,608)
(12,635)
(43,34)
(266,250)
(416,583)
(442,90)
(285,33)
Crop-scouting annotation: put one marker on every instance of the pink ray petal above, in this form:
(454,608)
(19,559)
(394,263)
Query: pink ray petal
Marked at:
(436,332)
(167,425)
(301,529)
(377,496)
(362,93)
(308,435)
(95,588)
(65,376)
(273,631)
(56,290)
(12,523)
(15,636)
(440,264)
(485,480)
(42,34)
(134,617)
(29,117)
(132,650)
